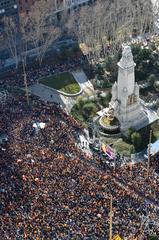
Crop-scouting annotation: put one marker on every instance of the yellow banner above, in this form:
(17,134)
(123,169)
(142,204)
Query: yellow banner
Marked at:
(103,148)
(117,237)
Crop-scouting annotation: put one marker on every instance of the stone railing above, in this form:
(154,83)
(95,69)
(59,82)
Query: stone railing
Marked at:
(61,92)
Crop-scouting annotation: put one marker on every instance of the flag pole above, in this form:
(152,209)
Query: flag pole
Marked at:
(110,218)
(149,153)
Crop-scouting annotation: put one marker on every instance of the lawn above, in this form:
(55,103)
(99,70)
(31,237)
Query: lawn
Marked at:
(122,147)
(118,144)
(63,82)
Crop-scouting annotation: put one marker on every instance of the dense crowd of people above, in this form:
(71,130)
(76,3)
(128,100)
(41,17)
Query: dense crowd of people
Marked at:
(147,186)
(51,189)
(134,175)
(155,162)
(35,73)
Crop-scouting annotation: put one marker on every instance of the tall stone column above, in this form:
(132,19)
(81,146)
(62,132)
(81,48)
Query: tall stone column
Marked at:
(125,93)
(126,75)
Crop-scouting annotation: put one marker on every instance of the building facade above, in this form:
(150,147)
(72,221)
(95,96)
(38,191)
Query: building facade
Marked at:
(8,8)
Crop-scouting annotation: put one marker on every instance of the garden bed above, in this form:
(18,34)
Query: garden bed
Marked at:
(63,82)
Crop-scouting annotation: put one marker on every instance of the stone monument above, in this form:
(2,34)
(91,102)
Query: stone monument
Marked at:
(127,105)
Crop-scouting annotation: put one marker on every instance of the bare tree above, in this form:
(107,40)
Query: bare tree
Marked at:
(103,26)
(155,6)
(11,37)
(85,25)
(17,39)
(143,16)
(42,28)
(24,40)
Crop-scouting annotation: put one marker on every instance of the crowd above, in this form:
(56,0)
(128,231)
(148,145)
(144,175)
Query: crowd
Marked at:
(50,189)
(135,175)
(155,162)
(138,180)
(35,73)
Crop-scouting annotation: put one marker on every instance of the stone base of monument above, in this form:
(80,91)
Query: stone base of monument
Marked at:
(137,124)
(133,119)
(145,118)
(139,118)
(108,126)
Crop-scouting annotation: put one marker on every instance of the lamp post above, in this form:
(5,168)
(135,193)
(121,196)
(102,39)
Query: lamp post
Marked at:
(110,218)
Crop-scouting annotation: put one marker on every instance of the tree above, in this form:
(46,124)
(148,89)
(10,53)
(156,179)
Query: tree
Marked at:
(105,25)
(143,16)
(112,67)
(24,40)
(100,70)
(80,103)
(156,9)
(10,34)
(132,149)
(17,39)
(109,96)
(153,237)
(151,79)
(42,28)
(146,54)
(130,132)
(136,140)
(89,109)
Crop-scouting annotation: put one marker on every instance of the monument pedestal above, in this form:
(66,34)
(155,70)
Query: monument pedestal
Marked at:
(132,116)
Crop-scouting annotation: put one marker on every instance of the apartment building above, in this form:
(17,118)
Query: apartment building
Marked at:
(8,8)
